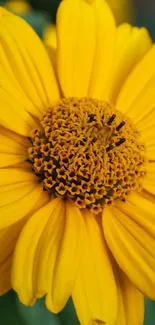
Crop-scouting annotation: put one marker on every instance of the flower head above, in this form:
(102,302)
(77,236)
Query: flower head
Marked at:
(77,164)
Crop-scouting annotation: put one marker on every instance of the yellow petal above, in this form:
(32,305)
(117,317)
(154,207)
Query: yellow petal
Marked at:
(94,294)
(48,248)
(19,191)
(8,239)
(148,138)
(31,75)
(129,230)
(132,44)
(53,57)
(151,152)
(149,180)
(14,211)
(11,176)
(103,62)
(13,148)
(138,88)
(68,259)
(144,103)
(9,235)
(49,37)
(146,126)
(147,122)
(27,250)
(16,137)
(130,300)
(148,196)
(84,46)
(13,113)
(24,166)
(75,46)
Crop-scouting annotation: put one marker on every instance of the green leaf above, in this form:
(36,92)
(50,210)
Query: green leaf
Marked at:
(38,21)
(68,314)
(149,312)
(9,314)
(12,312)
(38,314)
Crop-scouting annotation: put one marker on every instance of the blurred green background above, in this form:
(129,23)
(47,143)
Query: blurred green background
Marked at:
(138,12)
(12,312)
(40,14)
(142,11)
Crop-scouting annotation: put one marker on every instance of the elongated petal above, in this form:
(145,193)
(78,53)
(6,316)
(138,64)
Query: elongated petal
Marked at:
(148,196)
(147,122)
(130,300)
(94,294)
(129,230)
(48,248)
(12,176)
(146,127)
(14,211)
(132,44)
(13,115)
(50,37)
(8,239)
(136,97)
(13,148)
(9,235)
(26,72)
(27,249)
(53,57)
(144,103)
(103,62)
(24,271)
(19,191)
(68,259)
(84,46)
(149,181)
(75,46)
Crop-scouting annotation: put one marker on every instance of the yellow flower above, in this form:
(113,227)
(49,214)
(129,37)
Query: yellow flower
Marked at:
(122,9)
(77,164)
(49,36)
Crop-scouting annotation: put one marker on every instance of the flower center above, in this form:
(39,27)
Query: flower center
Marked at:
(88,152)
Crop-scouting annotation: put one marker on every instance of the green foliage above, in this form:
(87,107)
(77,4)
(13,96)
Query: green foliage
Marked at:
(149,312)
(12,312)
(8,310)
(38,21)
